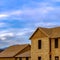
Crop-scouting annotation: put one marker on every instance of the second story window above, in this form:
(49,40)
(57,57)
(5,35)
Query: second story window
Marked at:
(56,42)
(39,44)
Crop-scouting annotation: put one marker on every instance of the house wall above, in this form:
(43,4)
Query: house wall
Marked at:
(55,51)
(24,58)
(44,51)
(13,58)
(7,58)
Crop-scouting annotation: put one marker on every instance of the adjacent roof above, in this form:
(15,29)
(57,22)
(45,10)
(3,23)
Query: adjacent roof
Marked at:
(25,54)
(49,32)
(13,50)
(1,50)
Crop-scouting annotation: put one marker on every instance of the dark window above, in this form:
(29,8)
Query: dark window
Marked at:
(39,58)
(56,58)
(39,44)
(20,58)
(16,58)
(50,57)
(56,42)
(26,58)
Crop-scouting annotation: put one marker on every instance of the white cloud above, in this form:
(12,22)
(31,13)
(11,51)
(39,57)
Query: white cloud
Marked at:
(16,33)
(46,24)
(32,11)
(42,11)
(6,15)
(27,13)
(2,38)
(6,34)
(14,36)
(38,14)
(3,15)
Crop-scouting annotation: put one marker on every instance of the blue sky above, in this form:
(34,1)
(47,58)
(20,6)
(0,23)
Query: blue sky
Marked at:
(19,18)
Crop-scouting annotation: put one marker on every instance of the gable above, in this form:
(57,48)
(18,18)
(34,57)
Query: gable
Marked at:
(38,34)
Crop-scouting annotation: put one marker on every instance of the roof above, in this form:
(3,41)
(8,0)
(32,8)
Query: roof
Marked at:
(49,32)
(25,54)
(13,50)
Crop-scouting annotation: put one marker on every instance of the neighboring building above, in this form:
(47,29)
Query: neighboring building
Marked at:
(45,44)
(16,52)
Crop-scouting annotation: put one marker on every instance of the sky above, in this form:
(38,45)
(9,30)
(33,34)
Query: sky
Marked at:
(20,18)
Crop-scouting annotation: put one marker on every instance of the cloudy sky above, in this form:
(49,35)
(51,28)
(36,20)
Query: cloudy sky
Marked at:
(19,18)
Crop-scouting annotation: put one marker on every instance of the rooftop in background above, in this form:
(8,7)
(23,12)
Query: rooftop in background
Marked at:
(13,50)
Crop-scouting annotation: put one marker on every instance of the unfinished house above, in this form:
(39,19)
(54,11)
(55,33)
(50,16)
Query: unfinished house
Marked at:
(45,44)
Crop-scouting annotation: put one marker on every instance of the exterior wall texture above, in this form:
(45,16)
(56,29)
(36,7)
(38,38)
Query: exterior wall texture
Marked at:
(7,58)
(55,51)
(44,51)
(13,59)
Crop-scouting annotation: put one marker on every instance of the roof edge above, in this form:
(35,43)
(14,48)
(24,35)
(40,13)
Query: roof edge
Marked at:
(33,33)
